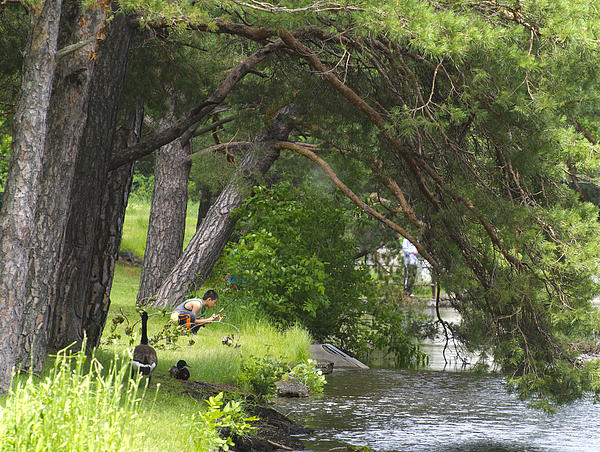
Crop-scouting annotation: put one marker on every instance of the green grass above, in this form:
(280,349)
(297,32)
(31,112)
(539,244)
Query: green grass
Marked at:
(135,227)
(209,359)
(78,405)
(166,406)
(159,418)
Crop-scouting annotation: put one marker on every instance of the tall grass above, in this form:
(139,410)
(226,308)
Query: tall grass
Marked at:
(78,406)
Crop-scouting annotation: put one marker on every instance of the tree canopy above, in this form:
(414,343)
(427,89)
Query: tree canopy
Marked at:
(474,123)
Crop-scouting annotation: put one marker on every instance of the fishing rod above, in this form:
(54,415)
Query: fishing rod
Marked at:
(224,307)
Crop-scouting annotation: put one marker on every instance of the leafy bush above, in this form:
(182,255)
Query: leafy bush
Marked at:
(258,375)
(78,406)
(206,426)
(307,373)
(392,331)
(295,261)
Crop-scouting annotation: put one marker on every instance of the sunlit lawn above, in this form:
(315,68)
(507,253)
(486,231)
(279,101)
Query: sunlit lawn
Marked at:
(166,412)
(166,407)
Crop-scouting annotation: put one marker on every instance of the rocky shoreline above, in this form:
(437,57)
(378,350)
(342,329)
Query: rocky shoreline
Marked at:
(273,431)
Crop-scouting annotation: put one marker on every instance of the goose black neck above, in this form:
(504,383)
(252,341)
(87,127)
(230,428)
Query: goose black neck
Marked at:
(144,328)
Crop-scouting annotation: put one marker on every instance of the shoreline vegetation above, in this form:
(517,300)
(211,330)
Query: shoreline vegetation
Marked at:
(167,413)
(233,365)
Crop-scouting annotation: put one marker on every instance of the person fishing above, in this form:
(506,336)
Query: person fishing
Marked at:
(190,313)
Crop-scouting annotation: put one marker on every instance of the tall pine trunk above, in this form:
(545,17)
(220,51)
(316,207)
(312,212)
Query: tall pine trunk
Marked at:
(77,272)
(17,216)
(166,226)
(211,237)
(108,237)
(66,119)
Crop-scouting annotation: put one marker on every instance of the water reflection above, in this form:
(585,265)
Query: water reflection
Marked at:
(448,359)
(390,410)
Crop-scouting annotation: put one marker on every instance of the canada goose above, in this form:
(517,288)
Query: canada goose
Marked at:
(144,356)
(180,370)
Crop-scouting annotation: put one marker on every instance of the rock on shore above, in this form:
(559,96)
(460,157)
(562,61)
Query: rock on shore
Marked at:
(274,431)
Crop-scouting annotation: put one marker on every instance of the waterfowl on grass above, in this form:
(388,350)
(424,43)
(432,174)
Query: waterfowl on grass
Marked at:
(180,370)
(144,356)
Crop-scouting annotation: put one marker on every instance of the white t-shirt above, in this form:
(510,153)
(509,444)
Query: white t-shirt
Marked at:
(409,250)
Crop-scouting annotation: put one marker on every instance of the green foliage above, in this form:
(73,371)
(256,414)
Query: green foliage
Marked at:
(4,158)
(79,406)
(394,330)
(308,374)
(204,431)
(122,330)
(295,261)
(142,187)
(485,99)
(259,375)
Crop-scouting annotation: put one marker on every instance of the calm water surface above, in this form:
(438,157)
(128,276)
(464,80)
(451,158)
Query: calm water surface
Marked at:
(438,409)
(391,410)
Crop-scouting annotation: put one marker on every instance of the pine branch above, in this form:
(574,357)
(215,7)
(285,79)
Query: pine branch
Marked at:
(306,152)
(315,7)
(224,147)
(414,164)
(198,113)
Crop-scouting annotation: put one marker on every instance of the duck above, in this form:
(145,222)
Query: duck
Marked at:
(144,355)
(180,370)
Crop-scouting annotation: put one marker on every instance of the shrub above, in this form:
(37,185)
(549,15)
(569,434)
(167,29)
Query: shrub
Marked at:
(207,425)
(295,261)
(258,375)
(307,373)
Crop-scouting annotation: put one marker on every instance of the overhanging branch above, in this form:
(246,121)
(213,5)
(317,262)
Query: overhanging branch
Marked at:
(195,115)
(302,150)
(378,121)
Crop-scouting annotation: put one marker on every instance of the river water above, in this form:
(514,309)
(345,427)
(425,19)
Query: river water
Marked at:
(436,410)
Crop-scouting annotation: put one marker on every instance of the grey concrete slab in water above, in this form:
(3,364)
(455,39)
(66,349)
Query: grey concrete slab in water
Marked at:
(340,360)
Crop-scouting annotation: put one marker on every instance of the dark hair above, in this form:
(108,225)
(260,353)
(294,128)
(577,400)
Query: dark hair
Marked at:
(210,294)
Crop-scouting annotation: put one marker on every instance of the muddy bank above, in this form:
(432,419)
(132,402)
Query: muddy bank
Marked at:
(273,431)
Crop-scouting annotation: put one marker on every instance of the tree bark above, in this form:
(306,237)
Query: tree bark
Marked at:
(108,238)
(82,306)
(207,244)
(66,119)
(77,272)
(166,228)
(17,216)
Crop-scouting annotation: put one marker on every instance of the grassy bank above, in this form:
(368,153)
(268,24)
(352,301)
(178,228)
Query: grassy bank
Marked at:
(164,415)
(165,407)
